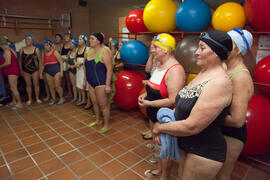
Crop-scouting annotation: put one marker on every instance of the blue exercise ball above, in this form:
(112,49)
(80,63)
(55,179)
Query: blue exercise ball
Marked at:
(192,16)
(134,52)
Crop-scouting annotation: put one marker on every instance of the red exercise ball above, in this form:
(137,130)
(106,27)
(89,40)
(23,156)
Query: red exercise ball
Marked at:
(257,13)
(262,74)
(143,109)
(128,86)
(258,126)
(134,21)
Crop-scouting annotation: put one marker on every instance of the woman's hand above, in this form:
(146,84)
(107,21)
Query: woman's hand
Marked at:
(141,100)
(157,140)
(156,128)
(107,89)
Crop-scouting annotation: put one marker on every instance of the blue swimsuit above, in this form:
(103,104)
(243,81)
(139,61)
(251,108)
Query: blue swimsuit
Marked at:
(96,71)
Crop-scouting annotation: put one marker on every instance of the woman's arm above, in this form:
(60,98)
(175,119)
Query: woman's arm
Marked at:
(215,96)
(241,96)
(107,60)
(7,56)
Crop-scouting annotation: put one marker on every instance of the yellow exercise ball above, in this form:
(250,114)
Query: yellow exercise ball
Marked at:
(228,16)
(159,15)
(190,77)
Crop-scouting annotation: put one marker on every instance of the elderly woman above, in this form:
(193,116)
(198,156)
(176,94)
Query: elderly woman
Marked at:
(200,110)
(10,68)
(29,64)
(98,69)
(235,130)
(161,89)
(52,66)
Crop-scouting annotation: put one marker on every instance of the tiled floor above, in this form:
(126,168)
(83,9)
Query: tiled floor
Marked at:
(42,142)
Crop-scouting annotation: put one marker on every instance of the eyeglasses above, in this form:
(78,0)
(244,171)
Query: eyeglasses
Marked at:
(240,31)
(157,38)
(205,35)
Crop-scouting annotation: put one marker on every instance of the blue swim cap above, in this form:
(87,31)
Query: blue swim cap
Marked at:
(84,38)
(48,41)
(75,42)
(30,36)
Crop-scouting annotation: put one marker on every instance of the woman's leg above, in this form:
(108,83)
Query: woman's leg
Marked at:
(35,77)
(72,78)
(88,100)
(59,89)
(68,83)
(13,82)
(234,148)
(28,83)
(93,97)
(102,99)
(50,81)
(47,90)
(200,168)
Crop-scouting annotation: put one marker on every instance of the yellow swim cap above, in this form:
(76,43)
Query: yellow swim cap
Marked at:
(165,41)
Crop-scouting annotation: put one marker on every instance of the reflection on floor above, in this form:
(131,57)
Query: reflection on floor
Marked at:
(42,142)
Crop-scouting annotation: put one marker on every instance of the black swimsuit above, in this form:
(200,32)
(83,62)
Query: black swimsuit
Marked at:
(30,62)
(210,143)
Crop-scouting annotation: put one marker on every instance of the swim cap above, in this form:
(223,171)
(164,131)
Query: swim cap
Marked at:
(242,38)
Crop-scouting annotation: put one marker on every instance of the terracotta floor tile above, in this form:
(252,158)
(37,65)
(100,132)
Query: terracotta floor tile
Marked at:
(115,150)
(235,177)
(97,174)
(240,169)
(36,124)
(55,141)
(130,132)
(114,168)
(129,143)
(7,139)
(11,147)
(129,159)
(44,156)
(142,167)
(65,174)
(104,143)
(257,174)
(79,142)
(51,120)
(51,166)
(85,131)
(29,174)
(71,135)
(15,155)
(142,151)
(17,123)
(48,135)
(63,130)
(5,133)
(72,157)
(4,172)
(36,148)
(31,140)
(82,167)
(63,116)
(42,129)
(120,126)
(63,148)
(117,137)
(93,137)
(89,149)
(128,175)
(21,164)
(26,134)
(100,158)
(2,162)
(57,125)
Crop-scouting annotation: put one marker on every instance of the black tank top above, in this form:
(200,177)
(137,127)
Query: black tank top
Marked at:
(30,62)
(65,51)
(80,55)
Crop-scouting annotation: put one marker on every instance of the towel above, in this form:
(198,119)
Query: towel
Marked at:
(169,143)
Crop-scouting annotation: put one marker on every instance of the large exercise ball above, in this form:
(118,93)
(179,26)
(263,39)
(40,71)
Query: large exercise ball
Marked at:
(128,86)
(216,3)
(158,15)
(262,74)
(190,77)
(134,52)
(257,12)
(192,16)
(134,21)
(228,16)
(258,126)
(185,53)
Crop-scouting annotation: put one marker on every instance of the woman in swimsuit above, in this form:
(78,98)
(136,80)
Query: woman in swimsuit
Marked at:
(29,64)
(234,129)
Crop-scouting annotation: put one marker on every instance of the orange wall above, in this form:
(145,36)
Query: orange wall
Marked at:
(45,9)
